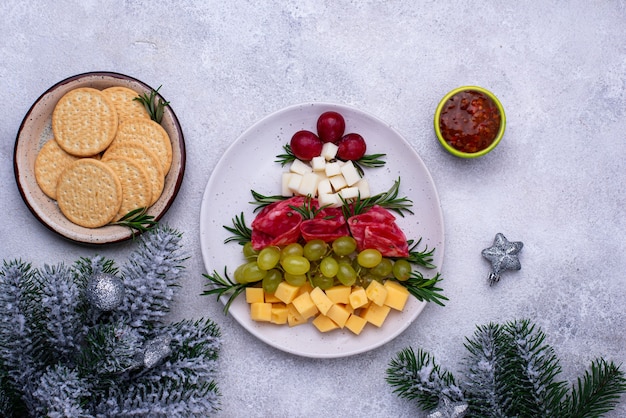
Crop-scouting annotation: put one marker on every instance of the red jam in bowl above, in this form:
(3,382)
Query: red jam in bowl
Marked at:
(469,121)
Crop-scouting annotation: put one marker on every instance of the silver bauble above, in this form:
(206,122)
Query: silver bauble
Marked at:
(105,291)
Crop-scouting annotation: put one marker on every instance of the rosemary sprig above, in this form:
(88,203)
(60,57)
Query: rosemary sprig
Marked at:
(137,220)
(388,200)
(241,232)
(153,104)
(224,286)
(370,161)
(425,289)
(421,258)
(261,201)
(287,157)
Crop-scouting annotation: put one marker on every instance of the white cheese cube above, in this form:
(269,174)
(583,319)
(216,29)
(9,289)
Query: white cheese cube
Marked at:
(324,187)
(318,163)
(300,167)
(285,190)
(350,174)
(308,185)
(333,169)
(329,151)
(349,193)
(294,182)
(329,199)
(364,189)
(338,182)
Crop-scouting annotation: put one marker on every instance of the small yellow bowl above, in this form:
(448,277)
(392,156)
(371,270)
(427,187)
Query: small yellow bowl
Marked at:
(494,143)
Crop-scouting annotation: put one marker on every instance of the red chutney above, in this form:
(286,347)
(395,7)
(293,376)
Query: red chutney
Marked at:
(469,121)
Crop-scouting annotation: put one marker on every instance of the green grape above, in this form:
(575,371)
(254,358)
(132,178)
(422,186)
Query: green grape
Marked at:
(292,249)
(271,280)
(329,267)
(344,245)
(268,258)
(295,264)
(295,279)
(367,279)
(369,258)
(402,270)
(314,249)
(344,259)
(248,251)
(323,282)
(238,274)
(382,269)
(346,274)
(252,273)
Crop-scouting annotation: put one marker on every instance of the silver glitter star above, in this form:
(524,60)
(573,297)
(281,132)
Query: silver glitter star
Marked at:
(448,409)
(157,350)
(503,256)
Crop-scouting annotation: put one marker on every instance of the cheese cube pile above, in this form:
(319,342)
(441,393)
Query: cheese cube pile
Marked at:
(339,307)
(325,178)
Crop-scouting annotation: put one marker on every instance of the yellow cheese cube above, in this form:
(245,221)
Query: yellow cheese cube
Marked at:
(261,311)
(355,324)
(338,314)
(293,316)
(397,295)
(279,313)
(286,292)
(375,314)
(324,323)
(320,299)
(376,292)
(254,294)
(339,294)
(358,297)
(271,298)
(305,288)
(347,307)
(305,305)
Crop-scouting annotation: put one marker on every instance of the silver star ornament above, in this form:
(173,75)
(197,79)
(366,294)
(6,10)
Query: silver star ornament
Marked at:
(503,255)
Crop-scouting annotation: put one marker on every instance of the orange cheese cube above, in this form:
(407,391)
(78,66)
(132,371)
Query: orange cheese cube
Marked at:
(338,314)
(261,311)
(279,313)
(375,314)
(286,293)
(397,295)
(376,292)
(271,298)
(358,297)
(293,316)
(321,300)
(324,323)
(339,294)
(355,324)
(305,305)
(254,294)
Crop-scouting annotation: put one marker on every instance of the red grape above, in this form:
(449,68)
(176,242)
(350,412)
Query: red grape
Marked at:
(351,147)
(306,145)
(330,126)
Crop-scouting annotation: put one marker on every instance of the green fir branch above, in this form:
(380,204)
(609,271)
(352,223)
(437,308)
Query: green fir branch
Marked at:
(369,161)
(242,234)
(287,157)
(224,286)
(421,258)
(260,201)
(388,200)
(425,289)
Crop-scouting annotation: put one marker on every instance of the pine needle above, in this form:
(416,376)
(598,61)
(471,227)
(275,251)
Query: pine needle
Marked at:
(154,104)
(137,220)
(224,286)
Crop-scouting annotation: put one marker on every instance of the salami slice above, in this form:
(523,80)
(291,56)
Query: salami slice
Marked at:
(277,224)
(377,229)
(328,225)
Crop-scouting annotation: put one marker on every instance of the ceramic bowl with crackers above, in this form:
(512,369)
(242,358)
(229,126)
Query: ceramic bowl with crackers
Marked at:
(87,153)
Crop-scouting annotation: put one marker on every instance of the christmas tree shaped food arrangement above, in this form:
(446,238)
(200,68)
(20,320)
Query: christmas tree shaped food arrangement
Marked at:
(90,340)
(511,372)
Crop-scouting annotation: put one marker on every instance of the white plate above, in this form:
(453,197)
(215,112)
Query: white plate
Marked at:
(248,164)
(36,130)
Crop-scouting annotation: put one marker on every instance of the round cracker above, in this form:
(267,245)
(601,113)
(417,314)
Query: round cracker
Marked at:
(127,107)
(49,164)
(147,133)
(89,193)
(146,159)
(84,122)
(136,188)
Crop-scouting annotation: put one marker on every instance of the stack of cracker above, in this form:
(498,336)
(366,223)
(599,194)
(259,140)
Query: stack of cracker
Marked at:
(106,157)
